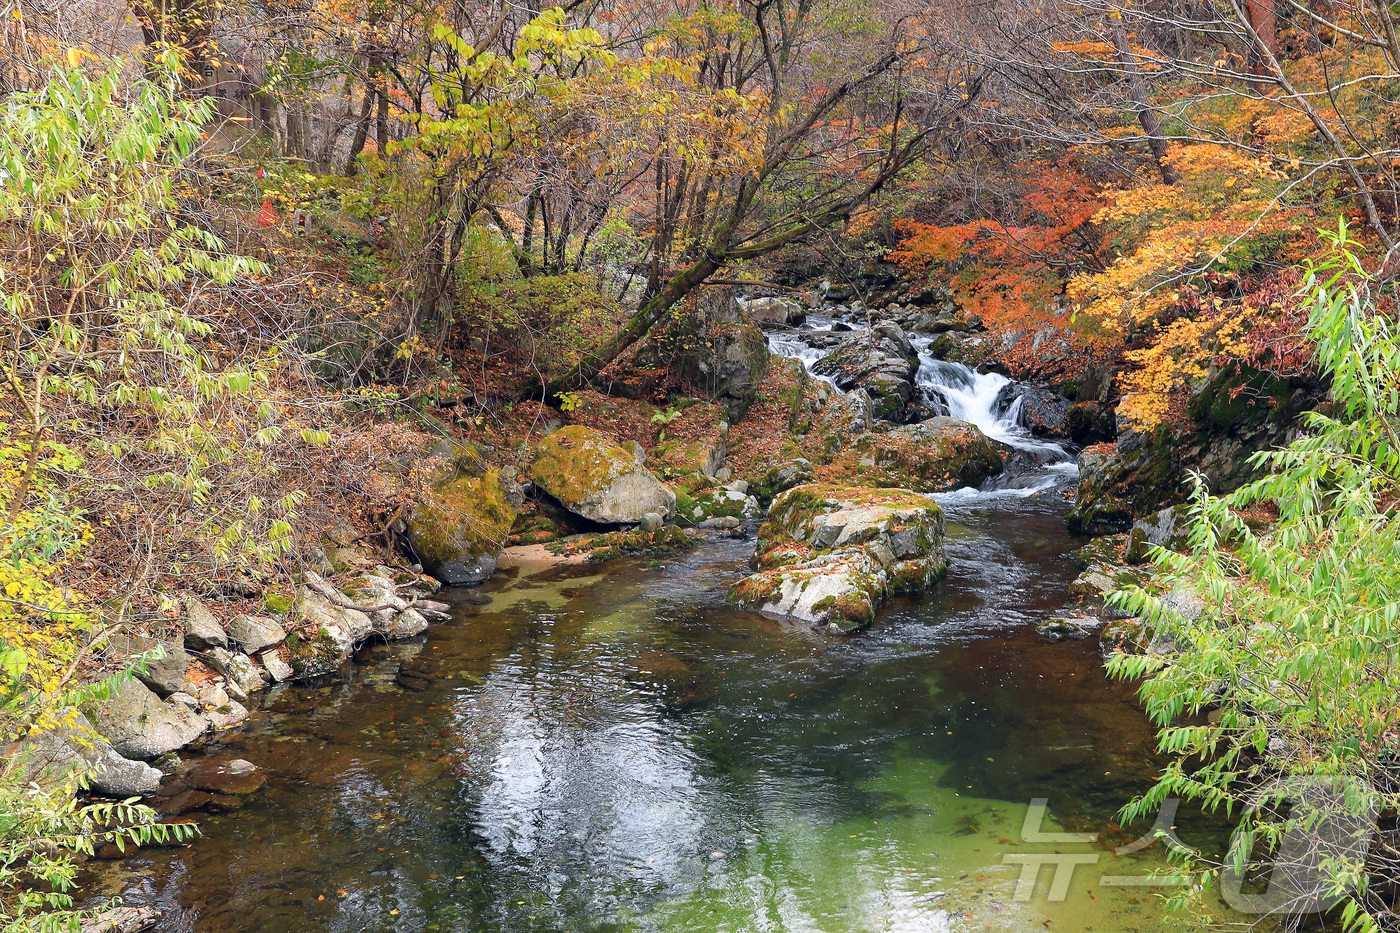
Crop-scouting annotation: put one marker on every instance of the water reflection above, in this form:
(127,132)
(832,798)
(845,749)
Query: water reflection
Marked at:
(627,753)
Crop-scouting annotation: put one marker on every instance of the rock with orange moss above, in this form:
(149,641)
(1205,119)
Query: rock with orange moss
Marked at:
(933,456)
(595,478)
(830,555)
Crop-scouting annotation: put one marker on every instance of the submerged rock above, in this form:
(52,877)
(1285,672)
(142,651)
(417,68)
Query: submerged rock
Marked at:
(1072,626)
(458,532)
(596,479)
(222,775)
(829,555)
(933,456)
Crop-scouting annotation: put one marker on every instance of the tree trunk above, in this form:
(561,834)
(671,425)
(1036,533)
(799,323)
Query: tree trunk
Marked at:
(357,144)
(675,289)
(1146,113)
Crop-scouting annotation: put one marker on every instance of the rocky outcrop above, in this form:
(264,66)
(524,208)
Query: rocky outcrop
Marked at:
(460,528)
(882,362)
(594,478)
(830,555)
(933,456)
(1234,415)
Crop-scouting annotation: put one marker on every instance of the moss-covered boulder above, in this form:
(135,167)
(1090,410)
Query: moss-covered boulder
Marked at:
(461,524)
(830,555)
(933,456)
(595,478)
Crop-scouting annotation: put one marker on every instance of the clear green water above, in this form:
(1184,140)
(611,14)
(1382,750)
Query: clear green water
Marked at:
(621,751)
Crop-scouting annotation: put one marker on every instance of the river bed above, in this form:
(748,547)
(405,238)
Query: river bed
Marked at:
(615,749)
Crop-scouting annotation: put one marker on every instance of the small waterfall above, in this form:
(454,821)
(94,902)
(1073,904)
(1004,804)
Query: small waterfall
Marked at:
(980,399)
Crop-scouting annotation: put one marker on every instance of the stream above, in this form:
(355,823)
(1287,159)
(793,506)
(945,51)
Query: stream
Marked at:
(613,748)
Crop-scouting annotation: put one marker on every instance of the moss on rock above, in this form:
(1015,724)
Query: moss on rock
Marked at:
(597,479)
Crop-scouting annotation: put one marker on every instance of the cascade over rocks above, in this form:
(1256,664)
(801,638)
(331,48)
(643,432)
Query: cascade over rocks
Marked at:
(882,362)
(460,528)
(1043,411)
(593,477)
(830,555)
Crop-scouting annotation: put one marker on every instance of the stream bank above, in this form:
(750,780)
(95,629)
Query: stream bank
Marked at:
(617,748)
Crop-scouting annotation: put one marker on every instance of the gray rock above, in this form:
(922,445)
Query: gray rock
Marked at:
(1061,628)
(202,630)
(637,450)
(1165,528)
(180,698)
(230,714)
(882,362)
(58,756)
(740,486)
(408,623)
(212,695)
(434,611)
(140,725)
(254,633)
(244,678)
(276,668)
(650,522)
(159,665)
(829,556)
(775,312)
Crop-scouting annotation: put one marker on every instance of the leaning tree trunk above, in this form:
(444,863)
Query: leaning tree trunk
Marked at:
(675,289)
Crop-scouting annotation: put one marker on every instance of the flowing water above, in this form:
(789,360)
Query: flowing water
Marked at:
(617,749)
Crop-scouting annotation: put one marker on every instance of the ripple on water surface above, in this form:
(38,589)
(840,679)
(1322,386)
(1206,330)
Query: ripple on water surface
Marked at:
(624,752)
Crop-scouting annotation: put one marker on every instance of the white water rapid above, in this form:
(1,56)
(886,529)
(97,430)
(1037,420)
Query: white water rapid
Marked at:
(1033,464)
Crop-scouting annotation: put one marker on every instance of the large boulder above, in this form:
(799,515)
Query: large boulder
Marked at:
(57,756)
(160,665)
(202,629)
(141,725)
(458,530)
(883,362)
(829,555)
(775,312)
(1040,409)
(254,633)
(933,456)
(595,478)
